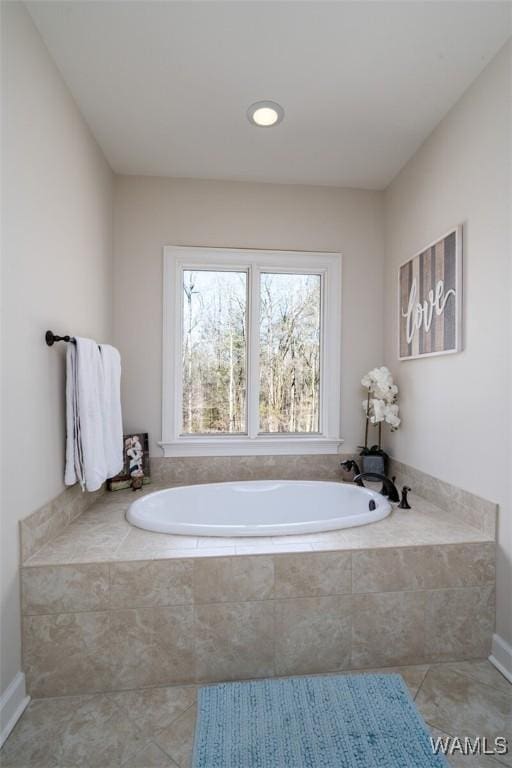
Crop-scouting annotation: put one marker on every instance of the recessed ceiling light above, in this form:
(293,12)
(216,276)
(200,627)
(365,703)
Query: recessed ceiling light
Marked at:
(265,114)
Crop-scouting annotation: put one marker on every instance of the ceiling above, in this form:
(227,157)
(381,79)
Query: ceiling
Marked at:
(165,85)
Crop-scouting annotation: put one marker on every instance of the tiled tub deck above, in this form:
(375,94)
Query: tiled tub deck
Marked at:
(108,607)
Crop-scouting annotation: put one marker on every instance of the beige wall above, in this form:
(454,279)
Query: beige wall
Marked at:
(56,273)
(456,409)
(152,212)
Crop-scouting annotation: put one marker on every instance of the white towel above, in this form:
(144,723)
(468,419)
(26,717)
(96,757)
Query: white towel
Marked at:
(85,449)
(112,417)
(74,464)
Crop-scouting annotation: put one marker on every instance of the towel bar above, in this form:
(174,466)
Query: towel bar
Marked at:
(51,338)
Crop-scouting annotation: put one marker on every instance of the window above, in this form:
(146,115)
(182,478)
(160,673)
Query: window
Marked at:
(289,332)
(251,352)
(214,352)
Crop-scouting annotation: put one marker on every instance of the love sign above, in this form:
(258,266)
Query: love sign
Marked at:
(430,299)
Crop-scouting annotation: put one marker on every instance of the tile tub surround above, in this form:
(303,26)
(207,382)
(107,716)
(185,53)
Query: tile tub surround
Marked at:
(466,506)
(107,606)
(106,626)
(45,532)
(102,534)
(187,470)
(49,521)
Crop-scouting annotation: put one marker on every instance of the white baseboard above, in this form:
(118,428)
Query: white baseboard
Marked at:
(501,656)
(12,705)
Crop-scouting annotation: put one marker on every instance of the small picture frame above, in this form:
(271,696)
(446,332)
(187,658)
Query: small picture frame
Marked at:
(430,299)
(136,471)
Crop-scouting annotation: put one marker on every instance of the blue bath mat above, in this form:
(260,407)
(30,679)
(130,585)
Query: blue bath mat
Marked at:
(349,721)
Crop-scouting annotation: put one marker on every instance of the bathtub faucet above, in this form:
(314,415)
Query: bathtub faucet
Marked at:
(388,489)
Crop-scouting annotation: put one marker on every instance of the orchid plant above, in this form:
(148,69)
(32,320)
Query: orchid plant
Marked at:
(381,404)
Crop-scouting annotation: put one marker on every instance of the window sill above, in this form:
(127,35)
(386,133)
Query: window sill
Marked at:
(234,446)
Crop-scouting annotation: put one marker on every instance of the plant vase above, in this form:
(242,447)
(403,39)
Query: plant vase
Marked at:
(376,462)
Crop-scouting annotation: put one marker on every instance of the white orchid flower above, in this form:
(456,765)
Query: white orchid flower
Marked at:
(383,394)
(391,416)
(378,410)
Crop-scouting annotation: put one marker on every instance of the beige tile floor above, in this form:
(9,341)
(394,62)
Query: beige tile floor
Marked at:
(153,728)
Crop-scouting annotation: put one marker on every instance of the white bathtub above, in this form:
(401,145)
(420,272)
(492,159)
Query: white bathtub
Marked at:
(257,508)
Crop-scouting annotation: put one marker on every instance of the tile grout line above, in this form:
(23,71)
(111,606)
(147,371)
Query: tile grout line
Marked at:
(464,673)
(368,670)
(141,606)
(174,721)
(114,691)
(422,681)
(173,764)
(112,694)
(201,683)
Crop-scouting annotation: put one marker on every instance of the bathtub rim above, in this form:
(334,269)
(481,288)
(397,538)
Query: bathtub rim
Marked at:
(383,510)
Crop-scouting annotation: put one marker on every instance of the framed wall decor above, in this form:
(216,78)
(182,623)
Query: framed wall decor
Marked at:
(430,299)
(136,470)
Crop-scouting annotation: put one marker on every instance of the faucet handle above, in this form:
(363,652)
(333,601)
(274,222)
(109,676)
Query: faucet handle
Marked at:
(404,502)
(349,465)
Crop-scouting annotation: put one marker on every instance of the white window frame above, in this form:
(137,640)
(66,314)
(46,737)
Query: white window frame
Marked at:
(328,266)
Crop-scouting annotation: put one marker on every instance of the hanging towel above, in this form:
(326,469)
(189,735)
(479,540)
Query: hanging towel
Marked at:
(112,418)
(85,447)
(74,462)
